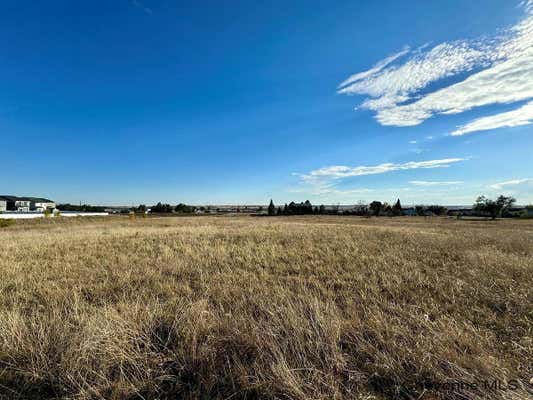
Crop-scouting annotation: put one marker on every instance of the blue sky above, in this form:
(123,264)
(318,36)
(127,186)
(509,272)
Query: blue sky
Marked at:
(130,102)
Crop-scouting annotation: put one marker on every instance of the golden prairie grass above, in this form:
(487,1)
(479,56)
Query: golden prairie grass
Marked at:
(264,308)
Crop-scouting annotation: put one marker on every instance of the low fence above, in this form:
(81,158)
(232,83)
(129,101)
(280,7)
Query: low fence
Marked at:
(30,215)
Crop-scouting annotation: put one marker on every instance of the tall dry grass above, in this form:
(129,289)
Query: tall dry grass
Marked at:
(246,308)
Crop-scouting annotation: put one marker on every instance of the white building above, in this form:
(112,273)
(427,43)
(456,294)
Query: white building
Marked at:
(25,204)
(42,204)
(22,205)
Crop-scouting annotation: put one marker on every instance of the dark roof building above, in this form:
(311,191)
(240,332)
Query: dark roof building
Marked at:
(9,198)
(38,200)
(23,203)
(24,198)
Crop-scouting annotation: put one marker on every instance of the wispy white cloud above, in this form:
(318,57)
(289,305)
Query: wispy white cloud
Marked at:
(392,86)
(341,171)
(518,117)
(324,181)
(435,183)
(375,69)
(527,4)
(417,192)
(513,182)
(499,71)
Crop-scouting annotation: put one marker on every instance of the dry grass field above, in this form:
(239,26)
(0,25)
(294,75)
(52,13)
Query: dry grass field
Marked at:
(264,308)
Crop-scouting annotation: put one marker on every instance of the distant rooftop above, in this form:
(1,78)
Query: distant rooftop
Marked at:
(24,198)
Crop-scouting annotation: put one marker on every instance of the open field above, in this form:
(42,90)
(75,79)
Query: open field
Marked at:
(242,307)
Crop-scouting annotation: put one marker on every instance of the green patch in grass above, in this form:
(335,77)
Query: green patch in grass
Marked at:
(6,222)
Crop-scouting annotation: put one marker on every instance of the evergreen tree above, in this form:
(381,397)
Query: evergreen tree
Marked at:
(271,208)
(307,207)
(397,209)
(292,208)
(376,207)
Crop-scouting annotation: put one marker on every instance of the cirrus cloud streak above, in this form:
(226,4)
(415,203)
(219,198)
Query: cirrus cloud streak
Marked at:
(498,71)
(512,182)
(520,116)
(325,180)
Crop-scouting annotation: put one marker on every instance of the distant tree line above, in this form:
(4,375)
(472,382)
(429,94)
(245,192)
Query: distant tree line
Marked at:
(502,206)
(80,208)
(494,208)
(167,208)
(304,208)
(378,208)
(425,211)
